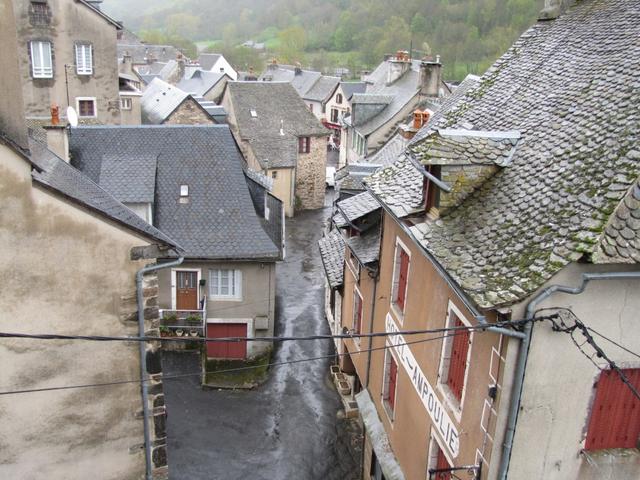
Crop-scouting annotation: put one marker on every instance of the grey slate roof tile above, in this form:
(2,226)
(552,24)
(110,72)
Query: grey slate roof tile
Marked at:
(219,221)
(571,88)
(131,179)
(350,176)
(60,176)
(358,206)
(201,82)
(322,89)
(141,52)
(208,60)
(366,247)
(277,106)
(159,100)
(349,88)
(332,254)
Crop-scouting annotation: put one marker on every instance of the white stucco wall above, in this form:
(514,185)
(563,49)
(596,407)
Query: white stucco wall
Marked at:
(559,383)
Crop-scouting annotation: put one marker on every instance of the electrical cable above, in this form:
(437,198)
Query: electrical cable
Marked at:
(614,342)
(230,370)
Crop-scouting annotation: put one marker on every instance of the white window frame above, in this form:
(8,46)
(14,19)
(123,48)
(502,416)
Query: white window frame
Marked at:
(41,71)
(126,103)
(356,292)
(445,357)
(395,280)
(95,107)
(434,449)
(174,284)
(237,285)
(386,375)
(81,50)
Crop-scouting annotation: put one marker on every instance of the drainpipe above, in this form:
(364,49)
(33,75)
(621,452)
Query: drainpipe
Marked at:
(373,309)
(143,357)
(521,364)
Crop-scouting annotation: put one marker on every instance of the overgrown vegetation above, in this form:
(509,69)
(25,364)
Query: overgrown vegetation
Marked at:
(468,34)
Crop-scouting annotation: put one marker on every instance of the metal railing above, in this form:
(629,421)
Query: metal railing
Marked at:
(189,322)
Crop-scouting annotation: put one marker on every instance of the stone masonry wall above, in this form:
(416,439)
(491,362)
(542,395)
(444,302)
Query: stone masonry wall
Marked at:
(189,113)
(311,176)
(157,410)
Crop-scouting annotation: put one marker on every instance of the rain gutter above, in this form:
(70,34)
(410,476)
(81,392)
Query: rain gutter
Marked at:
(521,364)
(143,358)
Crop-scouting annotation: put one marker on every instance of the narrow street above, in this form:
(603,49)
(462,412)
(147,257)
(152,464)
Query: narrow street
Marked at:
(286,429)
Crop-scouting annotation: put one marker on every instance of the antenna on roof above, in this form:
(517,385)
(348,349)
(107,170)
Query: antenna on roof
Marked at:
(72,117)
(282,127)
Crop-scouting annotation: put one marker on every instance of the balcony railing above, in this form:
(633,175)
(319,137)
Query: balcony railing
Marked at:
(184,322)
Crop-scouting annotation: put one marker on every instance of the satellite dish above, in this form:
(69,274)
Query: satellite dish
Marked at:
(72,117)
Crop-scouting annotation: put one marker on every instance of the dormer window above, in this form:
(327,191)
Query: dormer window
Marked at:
(430,191)
(254,114)
(184,190)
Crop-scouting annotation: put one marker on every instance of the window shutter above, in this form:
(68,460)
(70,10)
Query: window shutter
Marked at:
(358,314)
(458,360)
(615,416)
(442,464)
(300,144)
(402,280)
(393,376)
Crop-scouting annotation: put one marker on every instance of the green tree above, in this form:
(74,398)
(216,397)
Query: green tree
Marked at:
(293,41)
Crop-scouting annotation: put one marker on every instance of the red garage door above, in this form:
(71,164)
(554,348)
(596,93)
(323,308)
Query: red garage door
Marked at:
(227,349)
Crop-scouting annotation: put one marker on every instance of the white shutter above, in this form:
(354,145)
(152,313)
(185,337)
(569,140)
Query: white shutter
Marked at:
(238,284)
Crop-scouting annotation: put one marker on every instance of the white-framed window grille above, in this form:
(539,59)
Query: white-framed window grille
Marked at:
(225,284)
(86,107)
(125,103)
(84,59)
(41,59)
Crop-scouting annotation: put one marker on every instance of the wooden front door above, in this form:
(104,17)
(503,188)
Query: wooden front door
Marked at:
(226,349)
(186,290)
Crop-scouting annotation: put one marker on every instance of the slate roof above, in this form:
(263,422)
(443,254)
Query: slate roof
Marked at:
(322,90)
(309,84)
(390,151)
(129,178)
(219,220)
(61,177)
(571,88)
(465,147)
(200,82)
(332,255)
(142,52)
(366,246)
(349,88)
(208,60)
(350,176)
(277,105)
(398,187)
(358,206)
(160,99)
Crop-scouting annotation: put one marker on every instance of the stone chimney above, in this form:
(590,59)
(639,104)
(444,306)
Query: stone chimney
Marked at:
(127,64)
(57,135)
(554,8)
(298,68)
(397,66)
(430,77)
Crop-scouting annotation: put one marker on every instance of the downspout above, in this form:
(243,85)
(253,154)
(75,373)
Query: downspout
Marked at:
(143,357)
(514,406)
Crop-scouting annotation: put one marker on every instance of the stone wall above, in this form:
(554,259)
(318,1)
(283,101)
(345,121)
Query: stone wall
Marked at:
(463,180)
(189,113)
(311,176)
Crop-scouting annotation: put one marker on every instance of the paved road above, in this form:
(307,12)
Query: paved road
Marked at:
(286,429)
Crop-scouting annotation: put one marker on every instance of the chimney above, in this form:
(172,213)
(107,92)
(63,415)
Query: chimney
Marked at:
(554,8)
(181,67)
(417,119)
(273,64)
(127,64)
(430,77)
(398,65)
(298,69)
(57,137)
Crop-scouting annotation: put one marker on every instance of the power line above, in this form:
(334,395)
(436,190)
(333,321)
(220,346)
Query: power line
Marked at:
(230,370)
(106,338)
(614,342)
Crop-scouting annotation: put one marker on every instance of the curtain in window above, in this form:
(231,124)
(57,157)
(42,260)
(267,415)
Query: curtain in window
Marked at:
(41,59)
(84,60)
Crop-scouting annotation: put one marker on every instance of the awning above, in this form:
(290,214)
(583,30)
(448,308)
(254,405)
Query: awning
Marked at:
(378,437)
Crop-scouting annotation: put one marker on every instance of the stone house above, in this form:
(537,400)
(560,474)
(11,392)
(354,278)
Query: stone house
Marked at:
(230,226)
(394,90)
(165,104)
(280,138)
(69,51)
(67,249)
(339,106)
(508,212)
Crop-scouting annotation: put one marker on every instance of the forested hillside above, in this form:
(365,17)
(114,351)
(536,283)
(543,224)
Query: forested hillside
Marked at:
(468,34)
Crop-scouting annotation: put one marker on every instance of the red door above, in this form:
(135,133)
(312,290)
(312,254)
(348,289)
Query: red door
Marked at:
(186,290)
(227,349)
(442,464)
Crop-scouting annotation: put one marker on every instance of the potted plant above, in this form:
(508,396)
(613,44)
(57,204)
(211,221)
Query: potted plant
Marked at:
(193,320)
(170,319)
(164,331)
(193,332)
(179,332)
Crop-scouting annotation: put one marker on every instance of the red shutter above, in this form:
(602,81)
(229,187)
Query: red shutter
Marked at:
(615,417)
(393,375)
(300,144)
(458,360)
(402,280)
(442,464)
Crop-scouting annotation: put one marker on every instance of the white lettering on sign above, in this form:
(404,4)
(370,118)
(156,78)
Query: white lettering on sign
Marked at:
(445,427)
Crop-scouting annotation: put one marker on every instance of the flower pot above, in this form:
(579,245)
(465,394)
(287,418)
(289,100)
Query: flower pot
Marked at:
(193,333)
(344,388)
(179,332)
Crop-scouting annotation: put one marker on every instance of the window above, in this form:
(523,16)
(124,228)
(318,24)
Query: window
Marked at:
(375,469)
(615,415)
(400,277)
(455,358)
(84,59)
(254,114)
(304,144)
(311,107)
(274,174)
(125,103)
(41,61)
(357,311)
(334,115)
(442,464)
(390,380)
(430,192)
(184,190)
(358,143)
(86,107)
(221,69)
(225,284)
(39,13)
(339,98)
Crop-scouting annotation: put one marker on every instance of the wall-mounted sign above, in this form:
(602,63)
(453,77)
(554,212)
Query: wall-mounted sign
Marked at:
(441,420)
